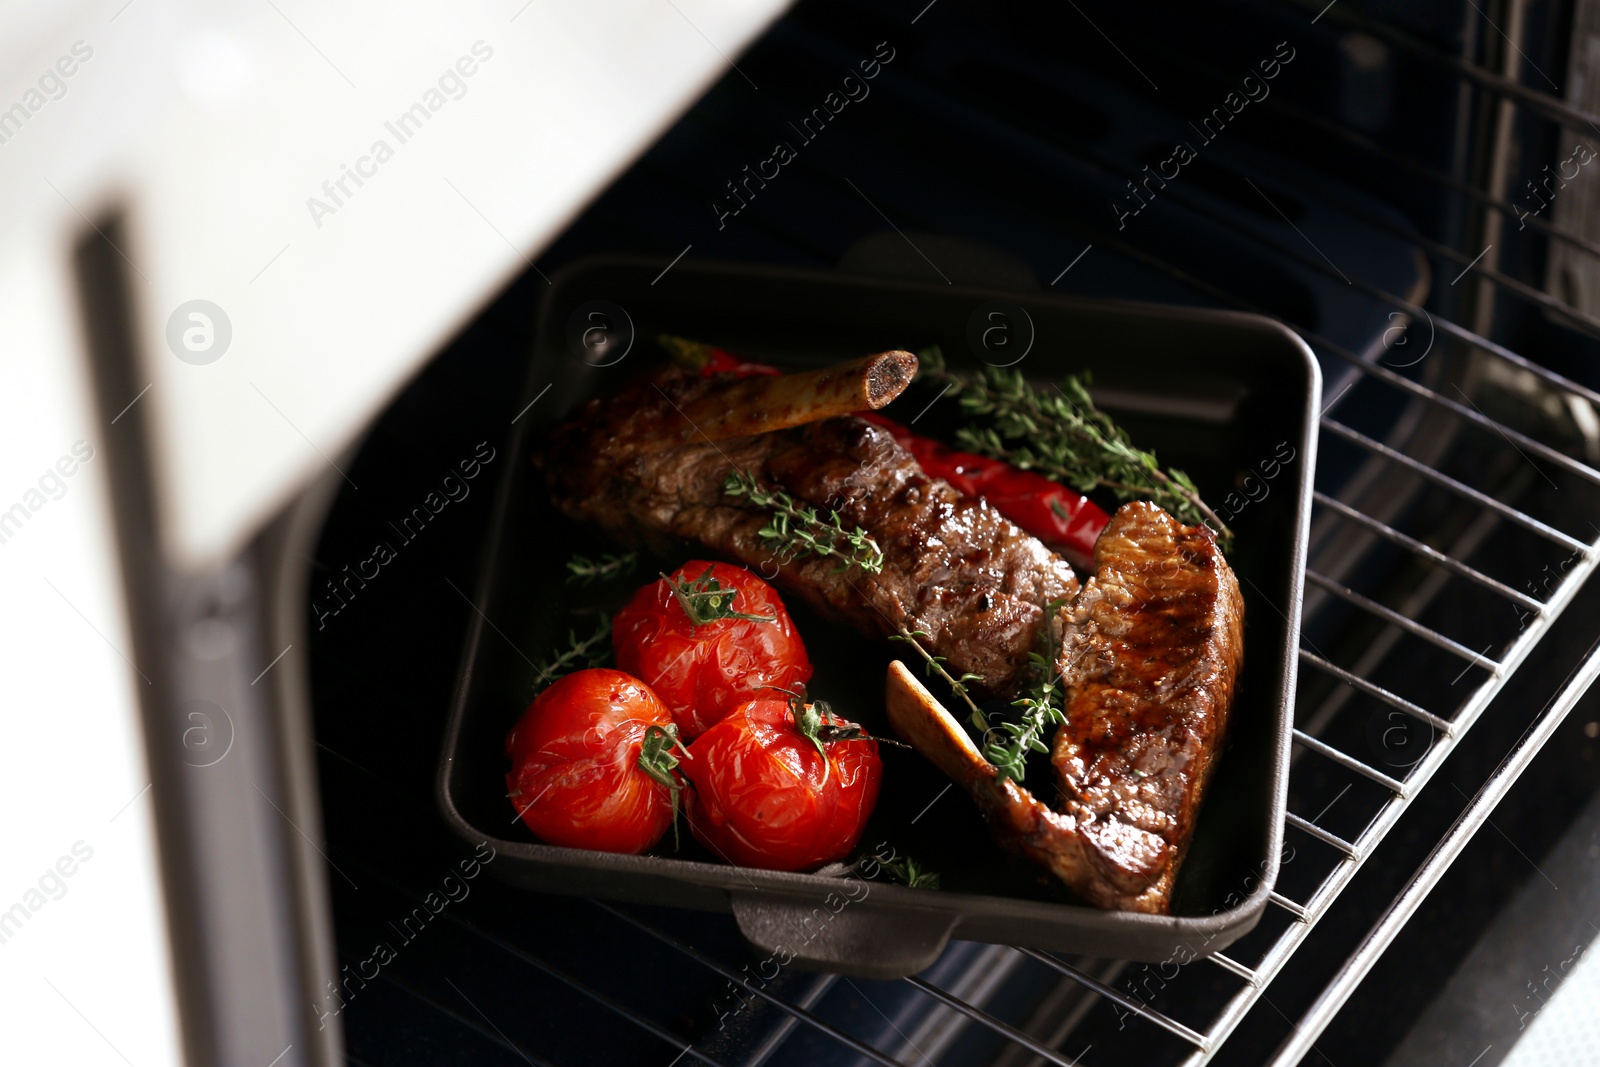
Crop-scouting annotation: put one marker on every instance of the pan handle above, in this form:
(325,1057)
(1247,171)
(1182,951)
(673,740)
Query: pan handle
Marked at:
(844,933)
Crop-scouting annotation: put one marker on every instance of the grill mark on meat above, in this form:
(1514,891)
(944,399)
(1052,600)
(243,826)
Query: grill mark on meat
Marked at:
(1151,663)
(954,568)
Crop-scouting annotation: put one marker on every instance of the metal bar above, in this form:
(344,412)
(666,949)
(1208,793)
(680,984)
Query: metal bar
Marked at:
(1548,453)
(1171,1025)
(637,1018)
(1010,1033)
(1549,106)
(470,1023)
(1235,967)
(1470,821)
(1355,681)
(1527,522)
(731,975)
(1186,199)
(1398,788)
(1304,116)
(1517,438)
(1432,554)
(1394,618)
(1527,292)
(1305,826)
(1282,950)
(1328,270)
(1299,911)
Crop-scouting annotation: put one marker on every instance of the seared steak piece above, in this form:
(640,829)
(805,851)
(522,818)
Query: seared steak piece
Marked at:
(954,568)
(1150,663)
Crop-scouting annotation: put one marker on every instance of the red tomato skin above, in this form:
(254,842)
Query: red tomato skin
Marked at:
(704,672)
(759,799)
(575,773)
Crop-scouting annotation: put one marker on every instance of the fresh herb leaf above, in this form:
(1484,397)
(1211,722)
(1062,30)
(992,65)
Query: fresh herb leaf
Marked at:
(705,600)
(1064,436)
(1041,707)
(581,570)
(795,532)
(591,651)
(906,871)
(935,665)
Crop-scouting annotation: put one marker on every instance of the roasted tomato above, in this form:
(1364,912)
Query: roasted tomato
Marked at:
(575,774)
(782,785)
(707,638)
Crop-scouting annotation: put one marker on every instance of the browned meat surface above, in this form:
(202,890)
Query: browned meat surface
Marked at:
(1155,643)
(954,568)
(1151,660)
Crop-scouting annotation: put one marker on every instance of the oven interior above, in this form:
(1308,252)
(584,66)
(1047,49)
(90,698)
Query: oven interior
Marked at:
(1386,192)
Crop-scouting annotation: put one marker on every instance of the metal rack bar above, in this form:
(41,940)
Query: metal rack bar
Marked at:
(451,918)
(1166,1022)
(1467,412)
(465,1020)
(1299,911)
(1460,488)
(1305,826)
(1304,116)
(642,1021)
(1553,456)
(852,1043)
(1470,821)
(1550,107)
(1428,552)
(1322,748)
(1355,681)
(1010,1033)
(1234,967)
(1183,197)
(1394,618)
(1282,950)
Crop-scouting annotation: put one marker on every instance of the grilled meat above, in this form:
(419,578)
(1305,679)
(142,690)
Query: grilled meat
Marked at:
(1151,659)
(1152,643)
(954,568)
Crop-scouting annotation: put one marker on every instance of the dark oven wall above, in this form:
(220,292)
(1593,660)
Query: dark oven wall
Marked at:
(1332,167)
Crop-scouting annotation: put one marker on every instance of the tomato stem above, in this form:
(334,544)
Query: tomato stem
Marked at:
(658,760)
(704,600)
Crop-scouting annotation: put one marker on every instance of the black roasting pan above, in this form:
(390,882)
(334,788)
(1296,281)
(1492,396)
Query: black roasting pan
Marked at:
(1230,398)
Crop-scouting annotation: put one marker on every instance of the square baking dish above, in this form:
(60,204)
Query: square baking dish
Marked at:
(1230,398)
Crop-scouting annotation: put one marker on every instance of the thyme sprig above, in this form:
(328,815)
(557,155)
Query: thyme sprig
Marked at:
(581,570)
(910,873)
(936,665)
(705,600)
(795,532)
(1065,437)
(1041,706)
(580,654)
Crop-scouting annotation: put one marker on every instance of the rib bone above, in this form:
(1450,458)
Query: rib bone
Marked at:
(740,407)
(1016,818)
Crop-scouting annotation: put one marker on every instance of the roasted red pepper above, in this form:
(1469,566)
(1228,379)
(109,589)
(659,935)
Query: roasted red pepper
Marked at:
(709,360)
(1058,515)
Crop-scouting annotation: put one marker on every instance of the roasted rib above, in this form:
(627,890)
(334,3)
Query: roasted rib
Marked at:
(954,568)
